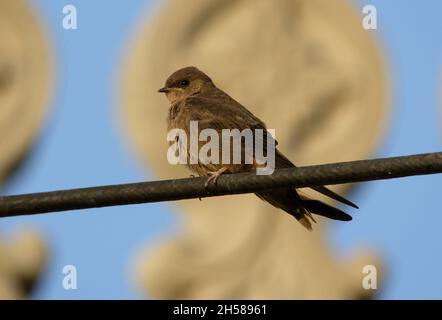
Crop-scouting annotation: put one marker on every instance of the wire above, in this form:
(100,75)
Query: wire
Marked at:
(179,189)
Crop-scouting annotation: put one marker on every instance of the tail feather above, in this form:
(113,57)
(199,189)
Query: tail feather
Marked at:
(283,162)
(306,223)
(327,192)
(289,201)
(301,207)
(325,210)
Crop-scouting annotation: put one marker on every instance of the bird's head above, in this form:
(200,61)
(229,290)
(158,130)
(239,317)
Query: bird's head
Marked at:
(184,83)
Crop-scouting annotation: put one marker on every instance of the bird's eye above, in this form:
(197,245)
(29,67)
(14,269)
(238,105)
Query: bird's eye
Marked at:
(184,83)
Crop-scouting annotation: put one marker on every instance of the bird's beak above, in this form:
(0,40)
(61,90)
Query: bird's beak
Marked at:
(164,90)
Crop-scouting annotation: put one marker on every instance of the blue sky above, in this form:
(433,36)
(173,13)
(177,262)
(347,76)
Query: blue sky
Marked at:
(82,146)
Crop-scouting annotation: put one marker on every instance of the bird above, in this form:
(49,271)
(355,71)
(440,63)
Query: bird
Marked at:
(193,96)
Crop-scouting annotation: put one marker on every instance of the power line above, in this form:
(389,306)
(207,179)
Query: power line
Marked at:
(179,189)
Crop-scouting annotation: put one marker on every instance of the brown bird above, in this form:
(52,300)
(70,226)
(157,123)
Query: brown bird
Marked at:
(194,97)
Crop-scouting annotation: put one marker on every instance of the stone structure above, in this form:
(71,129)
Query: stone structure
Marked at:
(309,70)
(21,262)
(25,81)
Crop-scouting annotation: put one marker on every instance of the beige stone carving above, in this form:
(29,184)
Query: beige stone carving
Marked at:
(25,81)
(21,262)
(309,70)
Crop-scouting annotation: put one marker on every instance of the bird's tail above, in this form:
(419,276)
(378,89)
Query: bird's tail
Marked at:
(301,207)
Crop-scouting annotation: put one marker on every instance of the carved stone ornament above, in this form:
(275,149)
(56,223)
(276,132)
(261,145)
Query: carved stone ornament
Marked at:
(25,82)
(310,71)
(22,259)
(25,85)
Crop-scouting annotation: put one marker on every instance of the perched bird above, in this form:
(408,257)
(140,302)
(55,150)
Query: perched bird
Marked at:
(194,97)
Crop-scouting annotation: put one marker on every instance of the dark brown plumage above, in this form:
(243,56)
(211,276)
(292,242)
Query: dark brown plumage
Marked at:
(194,97)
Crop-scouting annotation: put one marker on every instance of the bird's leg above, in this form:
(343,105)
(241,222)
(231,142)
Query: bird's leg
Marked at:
(214,175)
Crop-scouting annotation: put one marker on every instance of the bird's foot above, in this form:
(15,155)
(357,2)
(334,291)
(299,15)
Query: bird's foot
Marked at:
(214,175)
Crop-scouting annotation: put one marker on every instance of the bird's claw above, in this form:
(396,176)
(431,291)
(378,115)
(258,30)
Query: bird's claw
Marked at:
(213,179)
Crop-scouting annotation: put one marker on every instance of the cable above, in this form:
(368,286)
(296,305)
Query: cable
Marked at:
(179,189)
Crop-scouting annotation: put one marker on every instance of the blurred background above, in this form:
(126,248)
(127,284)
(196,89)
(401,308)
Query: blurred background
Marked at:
(92,132)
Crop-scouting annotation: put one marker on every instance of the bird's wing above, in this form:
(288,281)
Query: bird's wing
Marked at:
(221,106)
(221,111)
